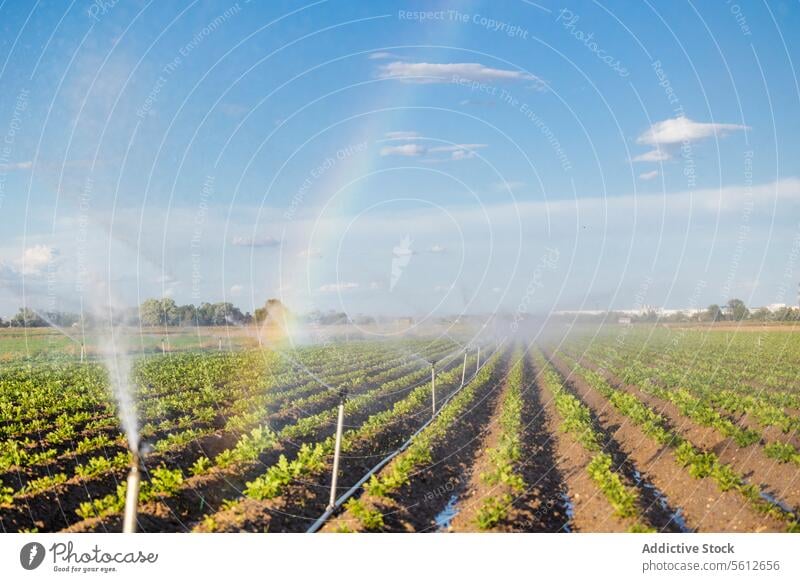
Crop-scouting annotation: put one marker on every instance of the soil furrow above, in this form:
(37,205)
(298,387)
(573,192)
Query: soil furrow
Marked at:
(780,480)
(703,506)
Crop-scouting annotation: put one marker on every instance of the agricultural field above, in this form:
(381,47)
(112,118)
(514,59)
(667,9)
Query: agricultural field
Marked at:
(45,341)
(618,429)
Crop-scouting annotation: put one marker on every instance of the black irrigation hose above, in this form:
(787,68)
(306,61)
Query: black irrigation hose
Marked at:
(315,527)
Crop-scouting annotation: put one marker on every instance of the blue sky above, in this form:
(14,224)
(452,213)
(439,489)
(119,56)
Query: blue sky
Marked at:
(399,157)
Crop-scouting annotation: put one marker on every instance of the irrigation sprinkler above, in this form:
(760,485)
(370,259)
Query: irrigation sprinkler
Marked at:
(464,370)
(433,388)
(478,365)
(338,447)
(132,495)
(220,344)
(83,351)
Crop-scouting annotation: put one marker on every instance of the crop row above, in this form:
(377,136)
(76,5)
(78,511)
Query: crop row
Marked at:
(700,464)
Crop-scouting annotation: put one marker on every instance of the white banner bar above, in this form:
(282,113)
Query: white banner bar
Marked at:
(389,557)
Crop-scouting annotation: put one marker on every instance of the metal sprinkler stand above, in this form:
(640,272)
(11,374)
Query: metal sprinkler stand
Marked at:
(464,370)
(132,494)
(338,447)
(478,365)
(433,388)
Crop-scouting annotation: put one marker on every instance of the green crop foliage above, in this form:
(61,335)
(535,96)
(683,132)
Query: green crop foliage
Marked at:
(201,466)
(493,511)
(783,452)
(370,519)
(622,499)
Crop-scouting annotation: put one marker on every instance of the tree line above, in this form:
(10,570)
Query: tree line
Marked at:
(158,312)
(733,310)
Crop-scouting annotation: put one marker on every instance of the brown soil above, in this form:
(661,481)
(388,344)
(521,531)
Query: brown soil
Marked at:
(304,501)
(591,510)
(415,506)
(703,506)
(541,507)
(206,493)
(780,480)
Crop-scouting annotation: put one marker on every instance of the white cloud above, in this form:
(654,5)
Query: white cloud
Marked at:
(448,72)
(338,287)
(381,55)
(236,290)
(458,146)
(35,258)
(656,155)
(255,242)
(437,249)
(462,151)
(394,135)
(16,166)
(680,129)
(648,175)
(408,150)
(462,155)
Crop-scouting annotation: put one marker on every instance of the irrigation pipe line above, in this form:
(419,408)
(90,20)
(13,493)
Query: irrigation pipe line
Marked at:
(315,527)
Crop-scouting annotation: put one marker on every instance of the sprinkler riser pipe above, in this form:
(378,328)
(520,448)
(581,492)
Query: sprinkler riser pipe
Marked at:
(337,451)
(478,365)
(132,499)
(464,370)
(433,389)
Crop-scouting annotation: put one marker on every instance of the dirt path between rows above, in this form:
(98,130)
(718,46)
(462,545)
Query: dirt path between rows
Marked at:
(541,507)
(703,506)
(205,493)
(432,489)
(655,508)
(780,480)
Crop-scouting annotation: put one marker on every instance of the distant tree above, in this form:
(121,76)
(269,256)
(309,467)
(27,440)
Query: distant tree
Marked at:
(187,315)
(761,314)
(737,310)
(714,313)
(61,318)
(333,317)
(157,312)
(648,315)
(786,314)
(27,317)
(274,312)
(678,316)
(205,314)
(226,313)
